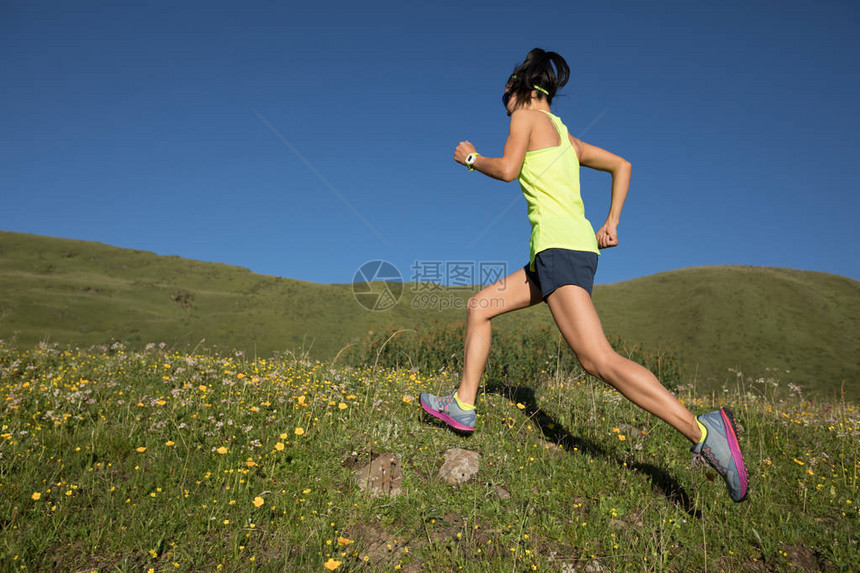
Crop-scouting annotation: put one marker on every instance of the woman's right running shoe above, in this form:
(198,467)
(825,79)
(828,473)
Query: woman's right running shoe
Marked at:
(722,451)
(446,409)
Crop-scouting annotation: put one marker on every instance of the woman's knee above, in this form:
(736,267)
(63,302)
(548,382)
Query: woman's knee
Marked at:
(480,307)
(598,364)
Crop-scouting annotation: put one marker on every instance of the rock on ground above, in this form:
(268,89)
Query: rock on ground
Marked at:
(459,466)
(502,493)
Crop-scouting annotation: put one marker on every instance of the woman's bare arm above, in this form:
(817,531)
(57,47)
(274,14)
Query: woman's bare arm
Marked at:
(602,160)
(507,167)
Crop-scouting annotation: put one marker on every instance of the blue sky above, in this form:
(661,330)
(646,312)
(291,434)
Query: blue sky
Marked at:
(304,139)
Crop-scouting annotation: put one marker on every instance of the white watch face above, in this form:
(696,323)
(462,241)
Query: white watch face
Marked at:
(470,159)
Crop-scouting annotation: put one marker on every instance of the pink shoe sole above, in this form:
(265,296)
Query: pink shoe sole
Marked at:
(734,446)
(447,419)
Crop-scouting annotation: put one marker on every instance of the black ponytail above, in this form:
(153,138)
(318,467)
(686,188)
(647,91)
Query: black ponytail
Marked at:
(543,72)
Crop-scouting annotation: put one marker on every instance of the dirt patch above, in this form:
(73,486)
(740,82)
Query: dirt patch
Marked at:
(380,547)
(384,551)
(354,460)
(382,476)
(802,558)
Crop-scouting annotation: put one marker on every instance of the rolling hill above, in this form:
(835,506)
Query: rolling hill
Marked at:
(794,326)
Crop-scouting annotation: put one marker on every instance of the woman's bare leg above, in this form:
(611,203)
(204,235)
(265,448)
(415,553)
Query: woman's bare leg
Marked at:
(513,292)
(576,318)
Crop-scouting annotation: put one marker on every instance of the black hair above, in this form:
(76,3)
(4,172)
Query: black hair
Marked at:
(546,70)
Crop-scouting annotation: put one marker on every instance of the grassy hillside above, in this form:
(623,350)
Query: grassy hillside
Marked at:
(87,293)
(118,460)
(795,326)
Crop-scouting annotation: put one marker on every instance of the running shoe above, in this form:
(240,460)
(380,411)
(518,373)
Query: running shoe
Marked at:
(446,409)
(722,451)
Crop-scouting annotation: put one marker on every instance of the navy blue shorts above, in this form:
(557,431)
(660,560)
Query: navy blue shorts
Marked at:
(559,267)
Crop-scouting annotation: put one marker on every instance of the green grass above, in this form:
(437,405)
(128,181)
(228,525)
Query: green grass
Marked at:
(798,327)
(84,293)
(121,448)
(516,357)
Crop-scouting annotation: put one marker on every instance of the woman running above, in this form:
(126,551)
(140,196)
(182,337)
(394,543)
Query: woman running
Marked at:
(563,255)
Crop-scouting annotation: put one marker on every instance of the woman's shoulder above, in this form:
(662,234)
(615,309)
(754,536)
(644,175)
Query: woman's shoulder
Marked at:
(532,112)
(531,116)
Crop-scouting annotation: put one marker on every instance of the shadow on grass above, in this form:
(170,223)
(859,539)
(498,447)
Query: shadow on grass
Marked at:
(555,432)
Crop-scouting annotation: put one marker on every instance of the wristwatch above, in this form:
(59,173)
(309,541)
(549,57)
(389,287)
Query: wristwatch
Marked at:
(470,160)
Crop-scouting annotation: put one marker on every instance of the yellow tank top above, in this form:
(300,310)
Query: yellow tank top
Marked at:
(549,179)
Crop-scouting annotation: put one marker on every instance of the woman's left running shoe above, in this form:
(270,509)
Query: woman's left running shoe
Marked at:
(723,452)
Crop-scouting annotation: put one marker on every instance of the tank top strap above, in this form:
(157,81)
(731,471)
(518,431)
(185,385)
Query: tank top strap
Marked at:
(564,140)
